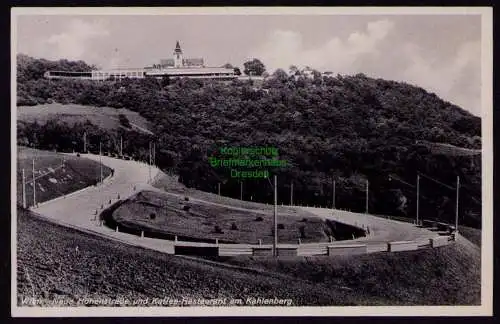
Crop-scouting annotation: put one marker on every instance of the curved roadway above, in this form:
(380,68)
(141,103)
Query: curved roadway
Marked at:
(78,210)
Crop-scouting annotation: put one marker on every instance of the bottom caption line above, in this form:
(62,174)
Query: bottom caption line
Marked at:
(250,301)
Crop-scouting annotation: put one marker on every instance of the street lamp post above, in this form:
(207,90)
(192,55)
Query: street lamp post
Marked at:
(275,243)
(333,195)
(366,207)
(456,207)
(34,186)
(457,189)
(24,190)
(100,159)
(418,197)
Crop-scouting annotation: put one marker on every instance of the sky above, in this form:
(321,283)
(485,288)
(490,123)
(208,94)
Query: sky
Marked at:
(440,53)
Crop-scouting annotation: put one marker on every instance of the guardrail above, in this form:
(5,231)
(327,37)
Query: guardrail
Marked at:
(290,250)
(191,246)
(214,247)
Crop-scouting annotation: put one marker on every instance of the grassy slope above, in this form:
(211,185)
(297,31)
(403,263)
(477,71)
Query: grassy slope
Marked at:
(171,184)
(49,268)
(201,219)
(103,117)
(472,234)
(449,149)
(444,276)
(77,174)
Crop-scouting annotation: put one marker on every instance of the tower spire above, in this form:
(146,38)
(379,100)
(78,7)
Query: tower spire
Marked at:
(178,60)
(178,48)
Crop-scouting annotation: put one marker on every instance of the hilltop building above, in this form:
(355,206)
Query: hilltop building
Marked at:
(175,67)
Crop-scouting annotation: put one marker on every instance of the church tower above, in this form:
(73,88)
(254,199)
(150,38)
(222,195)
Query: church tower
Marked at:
(178,60)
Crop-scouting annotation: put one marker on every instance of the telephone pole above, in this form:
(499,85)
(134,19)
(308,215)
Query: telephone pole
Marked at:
(275,243)
(291,194)
(241,190)
(333,195)
(100,159)
(34,187)
(24,190)
(418,197)
(367,187)
(121,146)
(149,161)
(218,188)
(456,208)
(84,142)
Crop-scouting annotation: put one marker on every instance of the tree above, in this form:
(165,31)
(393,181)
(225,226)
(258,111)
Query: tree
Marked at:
(124,121)
(165,80)
(228,66)
(354,125)
(280,74)
(254,67)
(316,77)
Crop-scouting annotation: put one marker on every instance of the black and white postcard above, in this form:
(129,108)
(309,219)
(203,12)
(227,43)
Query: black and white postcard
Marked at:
(252,161)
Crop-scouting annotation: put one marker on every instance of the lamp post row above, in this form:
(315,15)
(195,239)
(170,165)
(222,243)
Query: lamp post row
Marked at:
(457,189)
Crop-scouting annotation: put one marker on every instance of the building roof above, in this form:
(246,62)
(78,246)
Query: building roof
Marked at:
(120,70)
(193,70)
(193,61)
(167,62)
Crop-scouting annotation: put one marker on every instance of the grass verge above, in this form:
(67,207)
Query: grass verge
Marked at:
(56,174)
(51,271)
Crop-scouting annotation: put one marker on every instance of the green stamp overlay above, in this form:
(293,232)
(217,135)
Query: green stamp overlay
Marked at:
(254,160)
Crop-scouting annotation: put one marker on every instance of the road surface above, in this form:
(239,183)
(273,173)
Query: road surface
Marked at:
(78,210)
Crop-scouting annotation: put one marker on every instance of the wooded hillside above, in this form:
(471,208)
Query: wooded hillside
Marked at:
(351,128)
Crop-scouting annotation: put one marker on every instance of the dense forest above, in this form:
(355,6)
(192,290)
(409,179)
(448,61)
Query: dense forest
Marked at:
(345,128)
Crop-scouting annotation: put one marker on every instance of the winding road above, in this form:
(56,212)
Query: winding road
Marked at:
(79,210)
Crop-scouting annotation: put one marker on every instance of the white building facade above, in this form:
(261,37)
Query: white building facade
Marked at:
(178,67)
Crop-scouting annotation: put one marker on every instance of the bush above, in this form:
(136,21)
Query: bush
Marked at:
(281,226)
(259,219)
(186,207)
(234,227)
(186,198)
(304,220)
(124,121)
(302,231)
(218,230)
(152,216)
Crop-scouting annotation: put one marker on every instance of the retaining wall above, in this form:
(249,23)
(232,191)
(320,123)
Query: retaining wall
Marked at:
(210,247)
(402,246)
(343,231)
(287,251)
(312,249)
(262,251)
(347,249)
(237,249)
(196,250)
(440,241)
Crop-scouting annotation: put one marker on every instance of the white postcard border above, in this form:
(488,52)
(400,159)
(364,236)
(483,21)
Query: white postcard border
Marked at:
(486,307)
